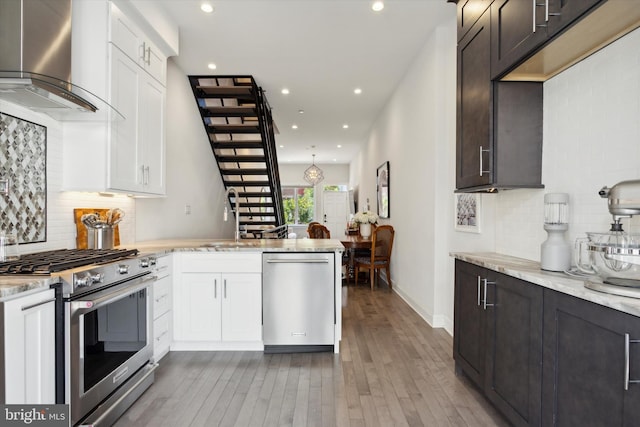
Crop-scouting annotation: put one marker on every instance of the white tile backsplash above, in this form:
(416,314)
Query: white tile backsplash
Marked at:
(591,139)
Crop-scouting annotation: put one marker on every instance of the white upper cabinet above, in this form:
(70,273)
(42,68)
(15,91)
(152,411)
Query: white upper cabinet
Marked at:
(115,59)
(131,40)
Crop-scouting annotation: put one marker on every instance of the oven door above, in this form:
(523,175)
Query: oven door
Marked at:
(110,339)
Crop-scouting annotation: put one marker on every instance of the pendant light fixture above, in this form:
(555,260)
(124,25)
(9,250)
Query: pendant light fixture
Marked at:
(313,174)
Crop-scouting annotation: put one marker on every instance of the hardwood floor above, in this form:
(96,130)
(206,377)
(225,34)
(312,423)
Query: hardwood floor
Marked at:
(393,370)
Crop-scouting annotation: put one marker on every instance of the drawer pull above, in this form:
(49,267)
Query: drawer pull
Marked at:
(29,307)
(627,343)
(484,301)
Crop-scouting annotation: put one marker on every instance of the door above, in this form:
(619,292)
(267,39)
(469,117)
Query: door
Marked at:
(125,172)
(513,377)
(474,144)
(242,307)
(585,363)
(29,344)
(468,327)
(335,211)
(198,307)
(517,27)
(151,135)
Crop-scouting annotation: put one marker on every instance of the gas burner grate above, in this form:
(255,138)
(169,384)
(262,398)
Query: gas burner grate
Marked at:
(63,259)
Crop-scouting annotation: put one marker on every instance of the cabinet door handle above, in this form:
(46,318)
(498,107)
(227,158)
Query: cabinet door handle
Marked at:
(534,16)
(29,307)
(225,288)
(479,300)
(484,301)
(215,288)
(627,343)
(146,181)
(482,150)
(144,52)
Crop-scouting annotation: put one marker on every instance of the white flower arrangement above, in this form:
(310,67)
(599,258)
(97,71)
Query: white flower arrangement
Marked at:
(365,217)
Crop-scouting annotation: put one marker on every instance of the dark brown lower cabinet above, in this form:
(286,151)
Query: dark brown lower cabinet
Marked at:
(498,339)
(589,355)
(544,358)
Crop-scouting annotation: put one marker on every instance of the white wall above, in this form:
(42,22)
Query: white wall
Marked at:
(591,134)
(61,229)
(293,174)
(416,133)
(192,175)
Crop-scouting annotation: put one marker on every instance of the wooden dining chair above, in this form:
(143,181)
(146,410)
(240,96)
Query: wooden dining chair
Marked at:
(311,224)
(319,231)
(381,245)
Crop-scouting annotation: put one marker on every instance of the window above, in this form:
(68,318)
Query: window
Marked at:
(298,204)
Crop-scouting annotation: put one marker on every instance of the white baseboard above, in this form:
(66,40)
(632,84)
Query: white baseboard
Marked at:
(437,321)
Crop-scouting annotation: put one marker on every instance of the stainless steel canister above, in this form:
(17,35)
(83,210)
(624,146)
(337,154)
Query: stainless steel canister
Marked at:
(100,236)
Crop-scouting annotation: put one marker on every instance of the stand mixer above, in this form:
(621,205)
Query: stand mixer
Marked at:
(619,251)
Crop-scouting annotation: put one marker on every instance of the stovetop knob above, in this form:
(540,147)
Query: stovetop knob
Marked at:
(123,269)
(84,281)
(144,263)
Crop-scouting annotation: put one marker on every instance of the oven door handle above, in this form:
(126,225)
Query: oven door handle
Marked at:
(83,306)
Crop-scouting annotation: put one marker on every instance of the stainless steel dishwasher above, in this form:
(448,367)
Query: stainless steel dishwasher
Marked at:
(298,301)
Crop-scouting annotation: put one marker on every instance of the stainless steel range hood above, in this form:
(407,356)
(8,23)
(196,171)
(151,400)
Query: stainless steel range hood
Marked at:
(35,64)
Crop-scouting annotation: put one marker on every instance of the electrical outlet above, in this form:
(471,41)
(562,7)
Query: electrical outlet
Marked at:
(187,209)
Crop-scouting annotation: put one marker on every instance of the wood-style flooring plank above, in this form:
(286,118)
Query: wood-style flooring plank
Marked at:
(393,370)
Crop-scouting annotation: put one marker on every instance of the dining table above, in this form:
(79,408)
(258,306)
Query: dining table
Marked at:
(352,243)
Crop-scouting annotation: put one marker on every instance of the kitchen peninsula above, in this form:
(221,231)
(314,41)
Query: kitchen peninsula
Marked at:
(218,291)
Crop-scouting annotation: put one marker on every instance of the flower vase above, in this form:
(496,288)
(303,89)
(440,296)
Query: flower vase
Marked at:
(365,230)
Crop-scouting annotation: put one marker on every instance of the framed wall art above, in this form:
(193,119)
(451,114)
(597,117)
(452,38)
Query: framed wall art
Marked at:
(467,211)
(382,179)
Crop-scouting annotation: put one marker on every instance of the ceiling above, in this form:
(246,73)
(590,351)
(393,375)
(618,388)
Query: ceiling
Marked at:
(321,50)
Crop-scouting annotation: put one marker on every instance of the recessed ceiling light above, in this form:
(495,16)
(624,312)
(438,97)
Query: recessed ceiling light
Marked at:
(335,160)
(282,146)
(212,66)
(301,111)
(345,126)
(377,6)
(339,146)
(206,7)
(357,91)
(285,91)
(294,126)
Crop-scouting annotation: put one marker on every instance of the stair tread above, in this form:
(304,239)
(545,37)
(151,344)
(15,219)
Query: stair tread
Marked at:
(224,111)
(243,171)
(242,158)
(225,90)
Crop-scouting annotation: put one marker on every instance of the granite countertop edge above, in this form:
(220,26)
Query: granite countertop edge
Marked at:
(530,271)
(162,247)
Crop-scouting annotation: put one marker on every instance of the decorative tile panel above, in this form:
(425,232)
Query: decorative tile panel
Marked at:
(23,173)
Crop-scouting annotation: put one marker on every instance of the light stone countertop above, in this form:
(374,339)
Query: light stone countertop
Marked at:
(530,271)
(160,247)
(12,285)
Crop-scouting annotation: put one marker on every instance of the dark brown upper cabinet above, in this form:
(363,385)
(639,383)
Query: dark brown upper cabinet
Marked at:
(520,27)
(468,12)
(499,124)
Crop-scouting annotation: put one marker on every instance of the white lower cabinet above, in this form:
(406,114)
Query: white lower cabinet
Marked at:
(29,349)
(162,308)
(218,302)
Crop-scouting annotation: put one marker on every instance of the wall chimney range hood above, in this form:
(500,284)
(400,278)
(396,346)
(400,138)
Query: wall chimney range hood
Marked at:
(35,65)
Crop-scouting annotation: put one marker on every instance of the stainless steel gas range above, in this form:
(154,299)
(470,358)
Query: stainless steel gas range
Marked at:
(104,324)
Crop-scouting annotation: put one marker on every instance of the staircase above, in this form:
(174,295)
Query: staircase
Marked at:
(237,119)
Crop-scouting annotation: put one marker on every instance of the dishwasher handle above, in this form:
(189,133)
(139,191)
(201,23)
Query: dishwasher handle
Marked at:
(298,261)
